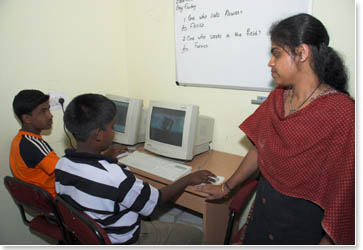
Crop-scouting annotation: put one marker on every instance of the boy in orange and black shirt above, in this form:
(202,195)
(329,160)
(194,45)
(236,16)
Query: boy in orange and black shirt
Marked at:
(31,158)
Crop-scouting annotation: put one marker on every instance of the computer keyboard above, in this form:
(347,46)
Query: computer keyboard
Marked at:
(155,165)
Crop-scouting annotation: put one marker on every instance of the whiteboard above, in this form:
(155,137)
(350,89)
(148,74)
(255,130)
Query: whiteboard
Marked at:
(226,43)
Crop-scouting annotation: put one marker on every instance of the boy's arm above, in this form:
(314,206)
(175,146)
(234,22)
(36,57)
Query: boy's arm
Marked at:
(114,150)
(36,152)
(49,162)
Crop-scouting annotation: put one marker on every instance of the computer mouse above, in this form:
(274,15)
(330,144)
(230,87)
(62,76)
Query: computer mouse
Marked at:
(217,180)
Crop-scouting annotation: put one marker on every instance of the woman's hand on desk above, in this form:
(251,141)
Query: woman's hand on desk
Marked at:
(196,178)
(214,192)
(201,176)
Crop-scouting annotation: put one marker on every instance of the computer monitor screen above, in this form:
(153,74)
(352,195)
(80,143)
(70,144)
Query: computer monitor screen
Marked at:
(177,130)
(167,125)
(129,121)
(121,115)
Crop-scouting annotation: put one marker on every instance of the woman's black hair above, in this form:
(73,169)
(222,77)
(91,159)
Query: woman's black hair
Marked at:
(88,112)
(304,28)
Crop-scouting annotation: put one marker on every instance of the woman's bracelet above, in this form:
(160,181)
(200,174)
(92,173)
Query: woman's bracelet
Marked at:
(227,188)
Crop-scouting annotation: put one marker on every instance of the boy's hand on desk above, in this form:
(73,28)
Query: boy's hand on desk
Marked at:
(114,150)
(202,176)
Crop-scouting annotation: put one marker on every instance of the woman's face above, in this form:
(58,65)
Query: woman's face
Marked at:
(283,65)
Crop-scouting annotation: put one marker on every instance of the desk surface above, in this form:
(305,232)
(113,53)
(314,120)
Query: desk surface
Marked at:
(215,213)
(219,163)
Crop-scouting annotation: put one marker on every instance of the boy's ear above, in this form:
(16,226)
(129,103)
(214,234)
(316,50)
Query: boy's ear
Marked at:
(26,118)
(98,134)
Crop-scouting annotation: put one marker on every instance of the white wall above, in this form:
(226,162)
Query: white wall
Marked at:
(339,19)
(122,47)
(73,46)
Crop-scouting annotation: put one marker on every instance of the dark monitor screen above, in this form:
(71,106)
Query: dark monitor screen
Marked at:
(121,115)
(167,125)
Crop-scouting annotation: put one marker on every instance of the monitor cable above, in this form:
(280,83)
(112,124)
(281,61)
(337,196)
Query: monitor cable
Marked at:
(61,102)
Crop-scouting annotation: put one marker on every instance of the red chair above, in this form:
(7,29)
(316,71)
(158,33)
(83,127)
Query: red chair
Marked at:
(83,227)
(238,203)
(35,198)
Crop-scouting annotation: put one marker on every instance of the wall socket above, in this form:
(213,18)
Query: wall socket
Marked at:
(54,100)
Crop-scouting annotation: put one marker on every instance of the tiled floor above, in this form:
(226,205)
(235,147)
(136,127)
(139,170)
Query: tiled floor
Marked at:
(173,213)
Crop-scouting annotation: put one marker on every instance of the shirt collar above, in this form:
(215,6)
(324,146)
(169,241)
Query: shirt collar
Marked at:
(71,153)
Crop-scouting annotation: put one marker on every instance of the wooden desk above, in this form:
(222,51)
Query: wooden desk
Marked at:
(215,214)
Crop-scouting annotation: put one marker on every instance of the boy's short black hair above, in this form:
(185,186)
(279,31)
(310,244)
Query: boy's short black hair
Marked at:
(88,112)
(27,100)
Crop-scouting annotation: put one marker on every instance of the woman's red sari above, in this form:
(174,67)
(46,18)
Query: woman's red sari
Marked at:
(310,154)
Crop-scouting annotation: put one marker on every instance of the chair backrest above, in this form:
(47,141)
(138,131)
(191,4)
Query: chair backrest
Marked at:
(27,195)
(239,201)
(241,198)
(83,227)
(32,196)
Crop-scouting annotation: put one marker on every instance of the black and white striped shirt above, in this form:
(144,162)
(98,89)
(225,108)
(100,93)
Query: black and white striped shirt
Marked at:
(107,192)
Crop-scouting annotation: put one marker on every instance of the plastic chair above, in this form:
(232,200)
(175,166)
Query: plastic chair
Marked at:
(29,196)
(83,227)
(239,201)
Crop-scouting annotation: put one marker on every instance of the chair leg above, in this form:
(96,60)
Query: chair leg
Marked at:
(23,216)
(229,228)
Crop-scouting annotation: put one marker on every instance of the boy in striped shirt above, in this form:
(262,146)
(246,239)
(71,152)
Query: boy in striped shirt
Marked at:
(110,193)
(31,158)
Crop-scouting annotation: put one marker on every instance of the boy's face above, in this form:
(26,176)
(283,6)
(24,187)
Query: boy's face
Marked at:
(40,119)
(109,133)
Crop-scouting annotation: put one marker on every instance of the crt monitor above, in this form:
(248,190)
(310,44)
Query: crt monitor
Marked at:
(177,130)
(130,120)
